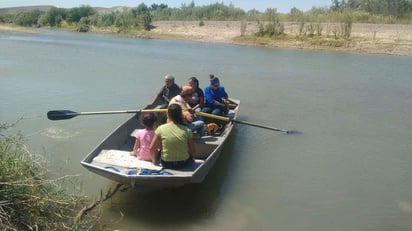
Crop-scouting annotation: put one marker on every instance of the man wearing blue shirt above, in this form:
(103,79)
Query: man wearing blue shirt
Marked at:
(216,98)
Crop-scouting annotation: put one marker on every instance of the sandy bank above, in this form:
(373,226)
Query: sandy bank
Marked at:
(12,28)
(392,39)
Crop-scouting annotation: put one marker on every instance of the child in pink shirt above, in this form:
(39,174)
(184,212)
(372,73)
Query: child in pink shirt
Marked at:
(144,137)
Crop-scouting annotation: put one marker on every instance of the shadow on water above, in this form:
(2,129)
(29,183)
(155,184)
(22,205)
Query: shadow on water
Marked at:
(176,206)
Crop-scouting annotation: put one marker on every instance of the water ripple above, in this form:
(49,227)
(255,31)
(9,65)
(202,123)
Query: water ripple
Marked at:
(59,133)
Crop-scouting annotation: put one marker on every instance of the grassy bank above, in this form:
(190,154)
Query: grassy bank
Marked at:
(29,200)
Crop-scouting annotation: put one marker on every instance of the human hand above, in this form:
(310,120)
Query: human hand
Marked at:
(189,117)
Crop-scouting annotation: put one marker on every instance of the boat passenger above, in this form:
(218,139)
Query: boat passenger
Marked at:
(189,117)
(216,98)
(168,91)
(174,139)
(144,137)
(198,97)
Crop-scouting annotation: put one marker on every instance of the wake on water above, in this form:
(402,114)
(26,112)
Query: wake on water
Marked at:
(59,133)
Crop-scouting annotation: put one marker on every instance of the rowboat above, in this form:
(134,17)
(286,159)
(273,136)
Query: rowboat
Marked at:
(111,158)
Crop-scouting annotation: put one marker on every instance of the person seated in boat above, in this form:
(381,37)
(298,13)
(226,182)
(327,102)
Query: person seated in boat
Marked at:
(144,137)
(168,91)
(198,97)
(216,98)
(189,117)
(174,139)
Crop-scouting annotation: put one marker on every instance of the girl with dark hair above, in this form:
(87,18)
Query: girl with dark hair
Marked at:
(144,137)
(198,98)
(174,139)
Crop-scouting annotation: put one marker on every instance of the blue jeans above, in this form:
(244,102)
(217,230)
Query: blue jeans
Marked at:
(198,117)
(197,126)
(176,164)
(214,111)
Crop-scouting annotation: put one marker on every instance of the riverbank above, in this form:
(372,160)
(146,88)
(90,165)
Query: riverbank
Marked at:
(12,28)
(389,39)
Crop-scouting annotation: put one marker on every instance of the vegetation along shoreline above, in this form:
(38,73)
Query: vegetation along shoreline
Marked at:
(356,26)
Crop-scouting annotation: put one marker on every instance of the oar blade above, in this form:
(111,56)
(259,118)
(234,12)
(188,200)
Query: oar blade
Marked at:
(61,114)
(293,132)
(289,132)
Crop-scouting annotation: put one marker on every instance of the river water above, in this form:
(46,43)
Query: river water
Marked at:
(350,169)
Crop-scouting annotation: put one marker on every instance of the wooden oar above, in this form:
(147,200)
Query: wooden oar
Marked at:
(66,114)
(227,119)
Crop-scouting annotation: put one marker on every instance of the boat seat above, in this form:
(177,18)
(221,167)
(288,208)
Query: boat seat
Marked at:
(122,161)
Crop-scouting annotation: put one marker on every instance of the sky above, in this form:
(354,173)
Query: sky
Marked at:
(282,6)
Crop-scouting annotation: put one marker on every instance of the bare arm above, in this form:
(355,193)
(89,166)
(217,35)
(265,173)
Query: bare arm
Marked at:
(154,147)
(188,116)
(135,148)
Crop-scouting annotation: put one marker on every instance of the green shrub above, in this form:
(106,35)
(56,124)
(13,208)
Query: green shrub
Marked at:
(28,199)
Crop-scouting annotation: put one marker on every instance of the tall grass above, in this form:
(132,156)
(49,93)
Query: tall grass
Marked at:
(28,199)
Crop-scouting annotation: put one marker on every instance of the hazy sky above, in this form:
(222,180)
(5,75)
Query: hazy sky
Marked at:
(282,6)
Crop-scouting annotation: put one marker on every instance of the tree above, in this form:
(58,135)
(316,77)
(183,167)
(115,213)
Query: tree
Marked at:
(146,21)
(354,4)
(76,13)
(296,14)
(54,17)
(140,10)
(83,25)
(155,6)
(404,8)
(142,15)
(30,18)
(273,28)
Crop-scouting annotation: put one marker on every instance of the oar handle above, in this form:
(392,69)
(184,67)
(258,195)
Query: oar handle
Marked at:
(213,116)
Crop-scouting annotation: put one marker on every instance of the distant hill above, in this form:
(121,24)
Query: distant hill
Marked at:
(101,10)
(15,10)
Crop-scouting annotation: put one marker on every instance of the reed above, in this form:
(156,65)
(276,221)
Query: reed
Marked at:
(29,200)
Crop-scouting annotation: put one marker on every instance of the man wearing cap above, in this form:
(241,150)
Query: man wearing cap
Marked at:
(183,100)
(216,98)
(168,91)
